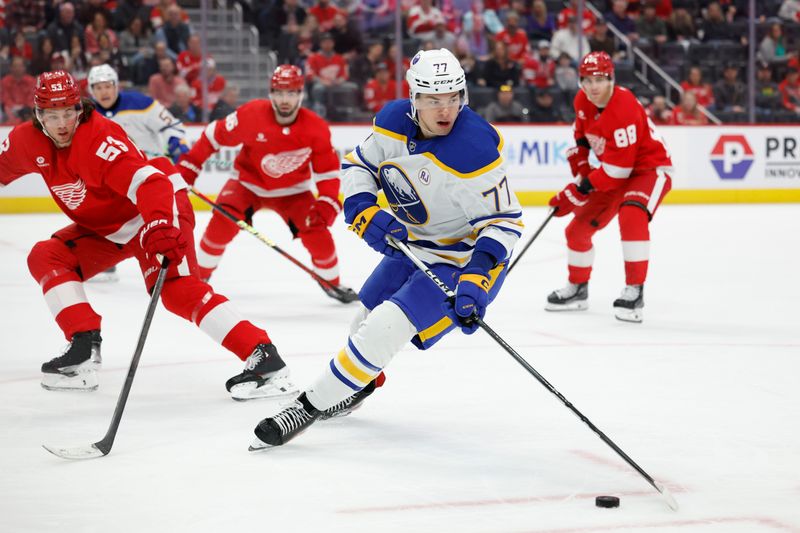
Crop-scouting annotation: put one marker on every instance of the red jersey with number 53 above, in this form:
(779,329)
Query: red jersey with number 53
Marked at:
(101,181)
(275,160)
(622,136)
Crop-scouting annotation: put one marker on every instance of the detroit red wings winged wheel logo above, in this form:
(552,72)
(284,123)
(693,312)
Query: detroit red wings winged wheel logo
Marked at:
(72,194)
(276,165)
(597,143)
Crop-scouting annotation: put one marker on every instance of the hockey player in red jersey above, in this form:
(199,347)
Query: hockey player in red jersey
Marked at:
(631,181)
(122,206)
(283,147)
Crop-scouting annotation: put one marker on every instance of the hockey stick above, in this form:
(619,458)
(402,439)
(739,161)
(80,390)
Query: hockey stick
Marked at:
(451,296)
(528,244)
(103,446)
(254,232)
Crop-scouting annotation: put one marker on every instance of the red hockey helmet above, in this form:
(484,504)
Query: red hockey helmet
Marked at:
(56,89)
(596,64)
(287,77)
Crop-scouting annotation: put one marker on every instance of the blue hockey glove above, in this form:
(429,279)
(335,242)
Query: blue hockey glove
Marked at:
(373,225)
(176,148)
(472,297)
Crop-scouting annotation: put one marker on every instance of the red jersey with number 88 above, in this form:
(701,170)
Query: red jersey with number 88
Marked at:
(622,136)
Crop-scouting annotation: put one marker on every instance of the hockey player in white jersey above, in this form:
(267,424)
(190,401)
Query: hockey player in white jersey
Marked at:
(147,122)
(440,167)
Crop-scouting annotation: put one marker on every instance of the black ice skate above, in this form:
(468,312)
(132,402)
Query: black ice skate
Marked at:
(265,375)
(349,404)
(340,292)
(630,305)
(573,297)
(286,425)
(107,276)
(77,368)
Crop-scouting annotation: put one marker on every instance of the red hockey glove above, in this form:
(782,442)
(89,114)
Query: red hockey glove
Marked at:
(159,237)
(578,158)
(323,212)
(189,171)
(568,199)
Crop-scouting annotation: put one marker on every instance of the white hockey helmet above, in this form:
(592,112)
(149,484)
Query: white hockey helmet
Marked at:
(102,73)
(435,72)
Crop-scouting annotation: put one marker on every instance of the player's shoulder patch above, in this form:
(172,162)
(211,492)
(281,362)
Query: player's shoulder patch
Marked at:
(472,148)
(133,101)
(394,120)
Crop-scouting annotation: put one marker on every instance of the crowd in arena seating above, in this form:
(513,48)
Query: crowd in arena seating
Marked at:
(519,55)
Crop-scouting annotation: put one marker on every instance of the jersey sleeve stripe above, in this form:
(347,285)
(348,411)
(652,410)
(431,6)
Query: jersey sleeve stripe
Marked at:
(614,171)
(390,134)
(361,158)
(138,178)
(480,172)
(210,135)
(493,216)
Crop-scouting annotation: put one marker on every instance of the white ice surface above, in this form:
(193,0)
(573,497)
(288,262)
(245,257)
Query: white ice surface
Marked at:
(704,395)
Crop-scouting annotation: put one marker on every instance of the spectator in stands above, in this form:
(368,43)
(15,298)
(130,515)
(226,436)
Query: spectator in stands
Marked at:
(790,10)
(323,13)
(189,60)
(773,46)
(538,68)
(681,27)
(790,90)
(566,41)
(20,47)
(78,59)
(472,71)
(443,38)
(688,113)
(566,75)
(158,15)
(544,109)
(499,69)
(652,30)
(161,85)
(477,23)
(216,84)
(346,37)
(280,26)
(703,91)
(714,26)
(619,18)
(603,41)
(136,41)
(16,92)
(382,88)
(571,11)
(64,27)
(150,63)
(422,20)
(730,94)
(391,55)
(183,109)
(227,103)
(126,11)
(541,24)
(99,26)
(362,67)
(658,111)
(26,16)
(768,94)
(505,108)
(515,38)
(42,56)
(110,55)
(89,8)
(175,32)
(326,69)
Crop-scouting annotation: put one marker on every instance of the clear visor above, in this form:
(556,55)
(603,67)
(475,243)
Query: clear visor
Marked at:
(58,116)
(595,80)
(440,101)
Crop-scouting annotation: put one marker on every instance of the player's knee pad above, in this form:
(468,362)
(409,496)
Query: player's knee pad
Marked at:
(359,317)
(384,331)
(634,222)
(579,234)
(50,259)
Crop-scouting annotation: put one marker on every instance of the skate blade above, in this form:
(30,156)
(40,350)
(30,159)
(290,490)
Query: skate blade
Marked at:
(250,390)
(259,446)
(75,453)
(82,382)
(581,305)
(629,315)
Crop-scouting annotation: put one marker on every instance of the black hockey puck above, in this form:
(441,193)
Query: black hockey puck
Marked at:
(606,501)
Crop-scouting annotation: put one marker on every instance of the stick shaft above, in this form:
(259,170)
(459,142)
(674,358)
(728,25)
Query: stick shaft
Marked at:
(528,244)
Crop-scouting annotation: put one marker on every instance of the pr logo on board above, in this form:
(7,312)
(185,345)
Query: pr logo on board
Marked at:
(732,157)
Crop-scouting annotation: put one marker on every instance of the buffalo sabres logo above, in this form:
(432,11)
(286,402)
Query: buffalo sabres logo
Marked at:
(276,165)
(401,195)
(72,194)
